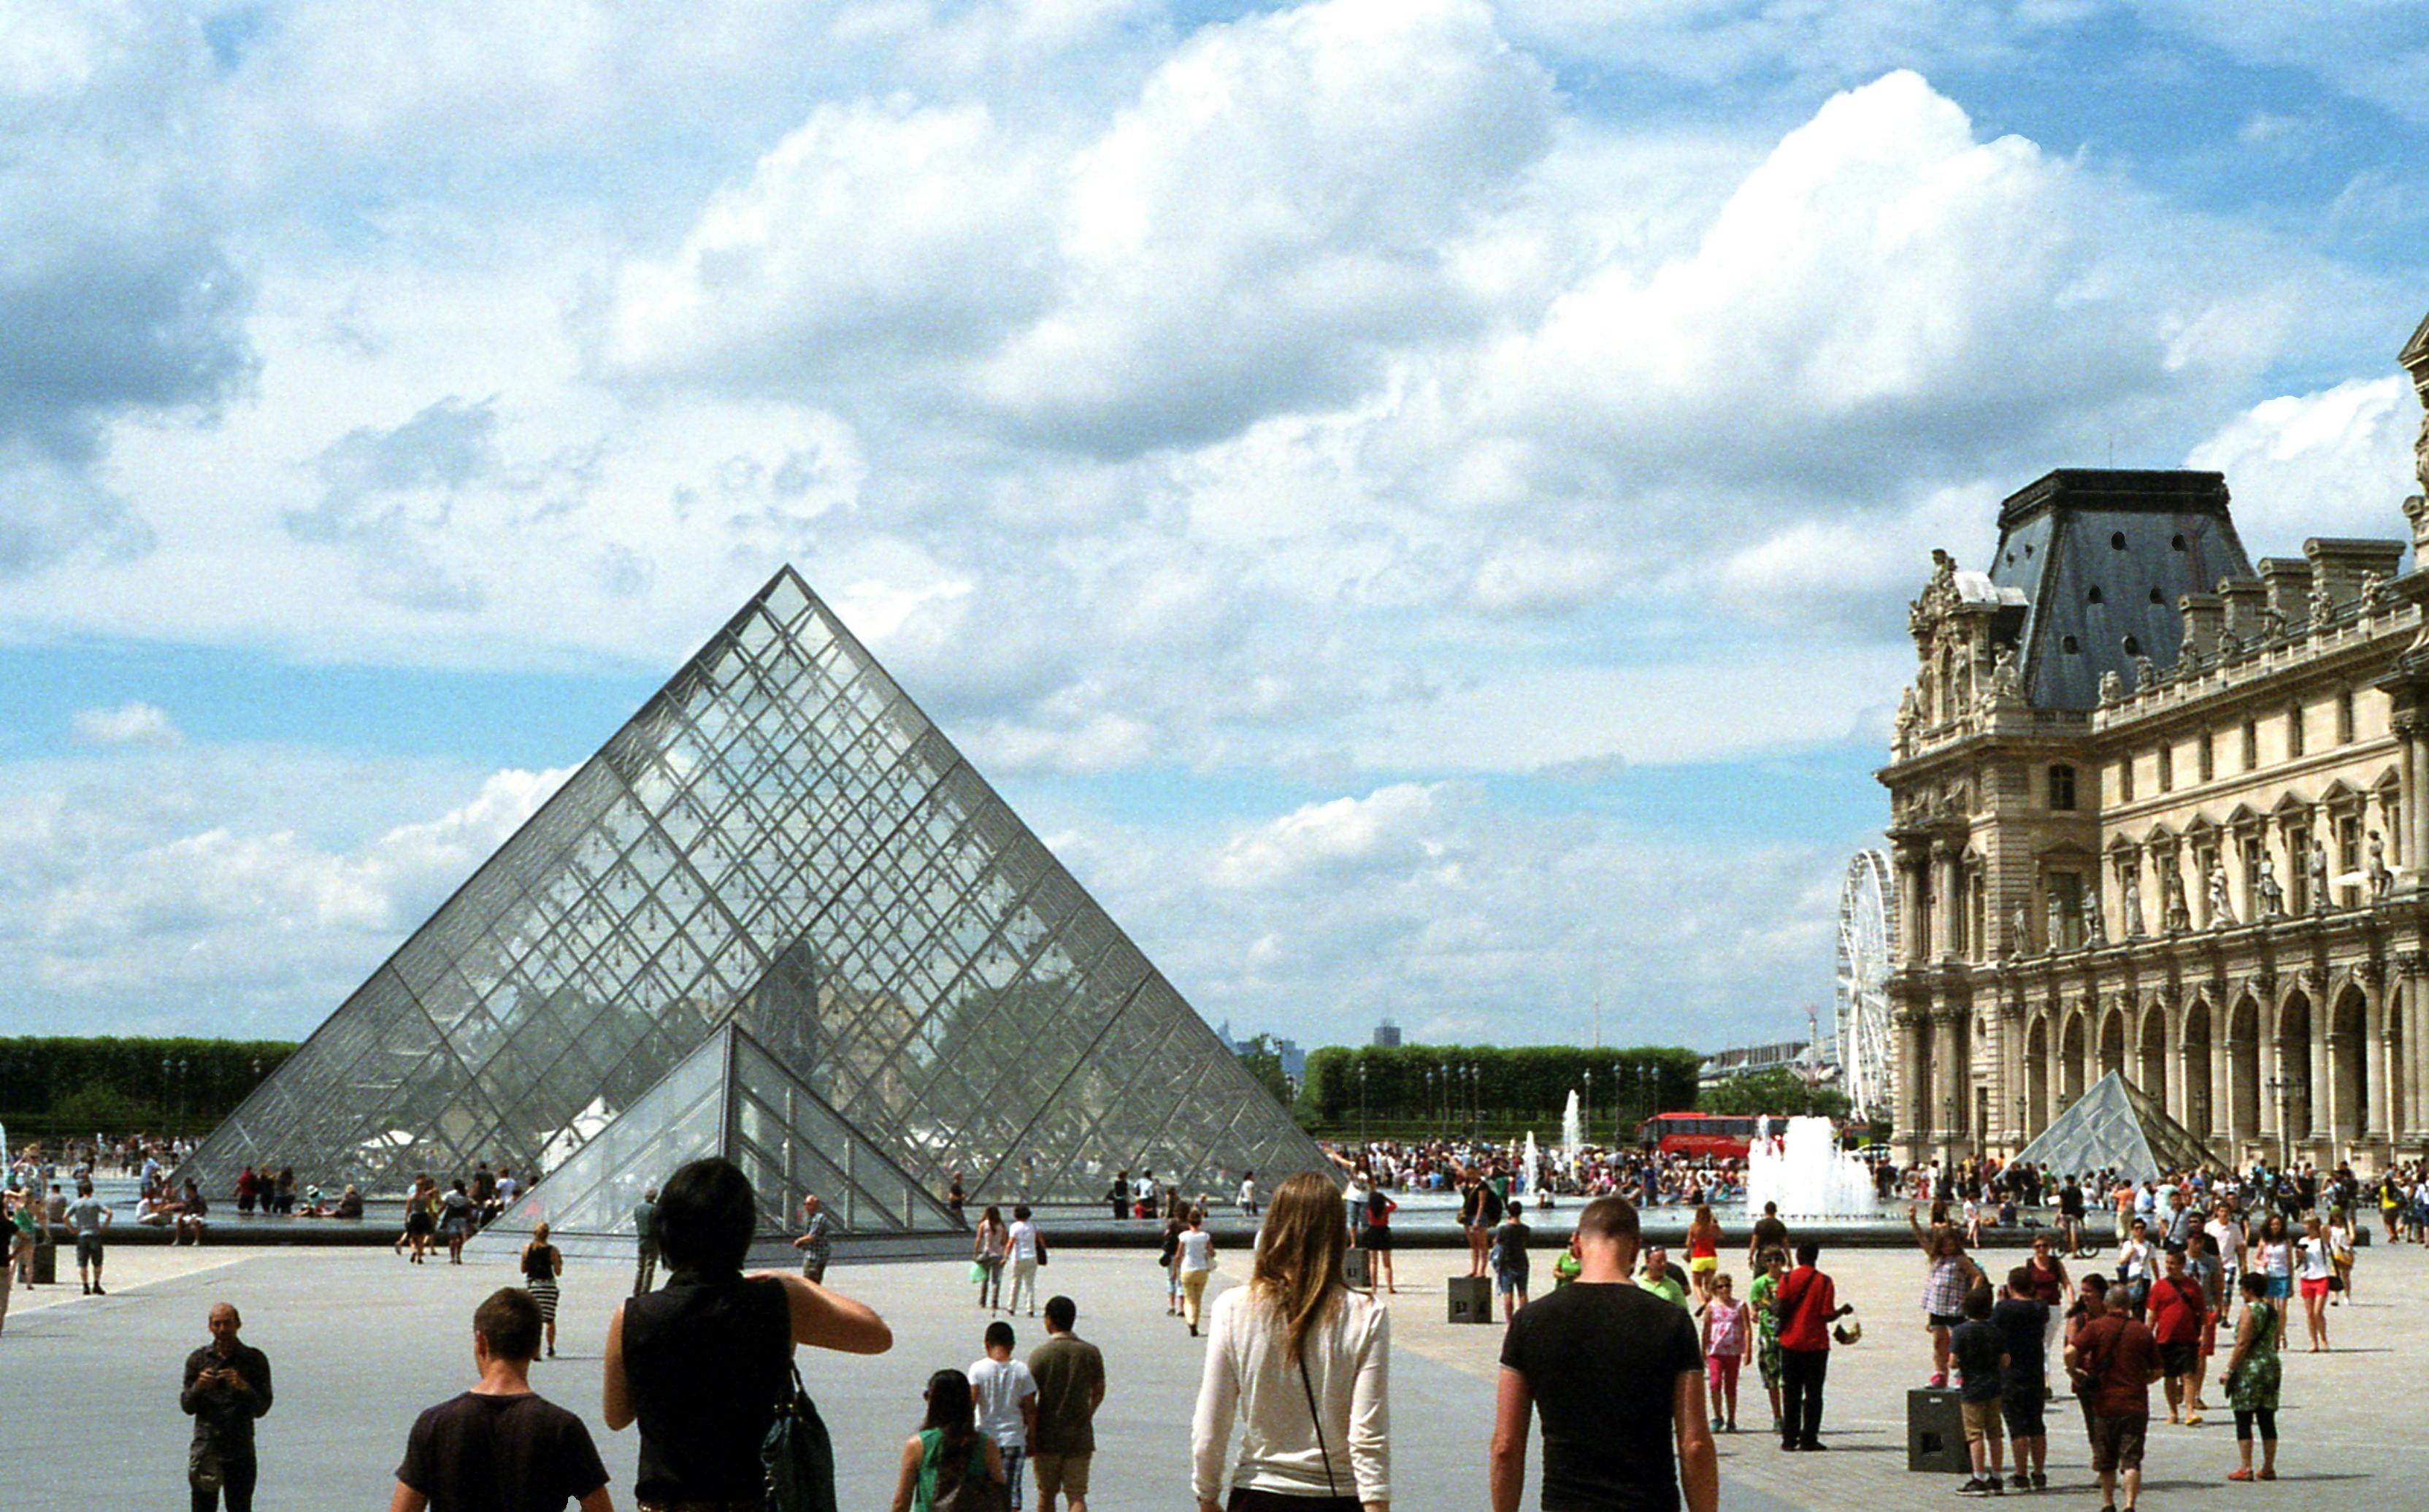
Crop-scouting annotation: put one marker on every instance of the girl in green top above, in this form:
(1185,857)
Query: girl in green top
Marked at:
(2251,1379)
(949,1464)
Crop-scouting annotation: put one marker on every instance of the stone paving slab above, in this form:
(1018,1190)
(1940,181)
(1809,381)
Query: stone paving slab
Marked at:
(362,1341)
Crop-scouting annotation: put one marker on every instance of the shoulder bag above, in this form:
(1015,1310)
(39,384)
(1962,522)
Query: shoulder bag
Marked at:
(798,1455)
(974,1490)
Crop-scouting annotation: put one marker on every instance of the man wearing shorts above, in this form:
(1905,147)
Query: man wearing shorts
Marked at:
(2119,1359)
(90,1217)
(2179,1316)
(2023,1320)
(1070,1376)
(1979,1352)
(1509,1243)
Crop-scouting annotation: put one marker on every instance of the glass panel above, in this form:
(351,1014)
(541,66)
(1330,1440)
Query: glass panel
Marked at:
(778,839)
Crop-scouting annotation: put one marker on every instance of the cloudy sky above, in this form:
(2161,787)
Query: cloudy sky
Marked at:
(1413,499)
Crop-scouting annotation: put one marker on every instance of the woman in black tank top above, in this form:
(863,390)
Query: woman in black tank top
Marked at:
(701,1362)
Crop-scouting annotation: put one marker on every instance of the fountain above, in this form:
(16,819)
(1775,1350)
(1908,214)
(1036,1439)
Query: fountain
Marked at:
(1807,1174)
(1573,1133)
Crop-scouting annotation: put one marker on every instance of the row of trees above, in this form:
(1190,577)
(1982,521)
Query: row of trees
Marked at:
(1456,1086)
(55,1085)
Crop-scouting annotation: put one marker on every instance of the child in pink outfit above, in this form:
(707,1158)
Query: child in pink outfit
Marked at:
(1728,1325)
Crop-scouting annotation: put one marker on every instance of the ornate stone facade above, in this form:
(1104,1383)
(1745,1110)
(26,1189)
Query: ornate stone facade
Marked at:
(2156,812)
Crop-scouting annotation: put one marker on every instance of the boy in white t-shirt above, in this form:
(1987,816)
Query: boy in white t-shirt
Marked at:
(1005,1396)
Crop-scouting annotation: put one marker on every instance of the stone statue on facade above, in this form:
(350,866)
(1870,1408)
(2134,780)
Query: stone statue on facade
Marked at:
(2056,926)
(2230,645)
(2323,605)
(2112,687)
(2096,923)
(2146,674)
(2016,930)
(2007,677)
(2317,865)
(2222,905)
(2133,886)
(2382,881)
(2271,892)
(2179,915)
(2373,583)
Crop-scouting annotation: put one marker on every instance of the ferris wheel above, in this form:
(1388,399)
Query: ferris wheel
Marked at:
(1867,944)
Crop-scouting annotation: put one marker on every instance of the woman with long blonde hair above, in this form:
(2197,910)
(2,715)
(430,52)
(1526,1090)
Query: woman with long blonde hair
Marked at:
(1304,1363)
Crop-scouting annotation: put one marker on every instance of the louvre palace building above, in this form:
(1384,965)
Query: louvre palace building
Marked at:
(2161,810)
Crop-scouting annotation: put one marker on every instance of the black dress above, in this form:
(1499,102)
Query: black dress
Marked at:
(707,1358)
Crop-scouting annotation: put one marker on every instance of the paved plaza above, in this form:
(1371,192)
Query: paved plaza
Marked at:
(360,1341)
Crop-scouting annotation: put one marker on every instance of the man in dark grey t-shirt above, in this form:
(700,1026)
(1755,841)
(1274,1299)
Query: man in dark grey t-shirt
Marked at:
(88,1216)
(500,1445)
(1619,1376)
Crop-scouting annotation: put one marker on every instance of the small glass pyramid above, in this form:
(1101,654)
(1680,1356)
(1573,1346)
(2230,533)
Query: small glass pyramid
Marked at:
(779,840)
(2115,1125)
(728,1097)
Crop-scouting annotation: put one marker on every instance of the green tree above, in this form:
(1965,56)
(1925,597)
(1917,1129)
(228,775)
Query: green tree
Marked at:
(1780,1092)
(1263,1056)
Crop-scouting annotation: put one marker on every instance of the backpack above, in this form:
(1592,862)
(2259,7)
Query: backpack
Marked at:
(798,1455)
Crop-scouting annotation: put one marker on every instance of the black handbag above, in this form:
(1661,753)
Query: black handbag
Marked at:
(799,1455)
(205,1472)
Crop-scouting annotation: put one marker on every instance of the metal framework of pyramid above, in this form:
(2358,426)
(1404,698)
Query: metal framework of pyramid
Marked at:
(781,840)
(2116,1124)
(730,1097)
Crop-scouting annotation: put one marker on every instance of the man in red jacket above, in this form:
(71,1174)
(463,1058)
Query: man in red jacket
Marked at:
(1807,1303)
(2115,1361)
(2179,1316)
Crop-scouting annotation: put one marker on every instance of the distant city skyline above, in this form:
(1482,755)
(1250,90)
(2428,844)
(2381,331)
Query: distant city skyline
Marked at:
(1414,501)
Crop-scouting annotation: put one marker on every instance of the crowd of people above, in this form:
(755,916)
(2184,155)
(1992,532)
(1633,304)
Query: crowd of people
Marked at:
(1630,1359)
(1648,1176)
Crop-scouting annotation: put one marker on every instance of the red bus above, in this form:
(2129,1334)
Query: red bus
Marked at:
(1720,1136)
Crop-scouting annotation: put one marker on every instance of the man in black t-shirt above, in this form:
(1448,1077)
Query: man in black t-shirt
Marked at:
(1619,1376)
(499,1447)
(1769,1234)
(2023,1320)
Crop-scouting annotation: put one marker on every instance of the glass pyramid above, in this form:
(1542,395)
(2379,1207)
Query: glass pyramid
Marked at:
(2116,1124)
(727,1097)
(779,839)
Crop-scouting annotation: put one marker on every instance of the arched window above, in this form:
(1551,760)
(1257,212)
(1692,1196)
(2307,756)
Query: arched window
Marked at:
(2117,541)
(2067,644)
(2093,597)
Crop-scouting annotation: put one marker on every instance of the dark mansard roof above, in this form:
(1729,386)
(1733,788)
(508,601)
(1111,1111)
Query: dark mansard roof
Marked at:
(2101,556)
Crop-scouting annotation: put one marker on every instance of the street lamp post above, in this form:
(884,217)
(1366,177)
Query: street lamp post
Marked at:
(1361,1109)
(1585,1108)
(2284,1087)
(1475,1104)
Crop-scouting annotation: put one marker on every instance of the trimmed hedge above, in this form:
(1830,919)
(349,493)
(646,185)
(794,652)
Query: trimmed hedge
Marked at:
(57,1085)
(1530,1084)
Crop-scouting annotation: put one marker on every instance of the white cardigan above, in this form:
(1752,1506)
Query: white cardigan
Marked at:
(1250,1373)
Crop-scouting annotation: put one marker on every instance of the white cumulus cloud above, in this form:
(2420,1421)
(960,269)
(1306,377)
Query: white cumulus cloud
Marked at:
(129,723)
